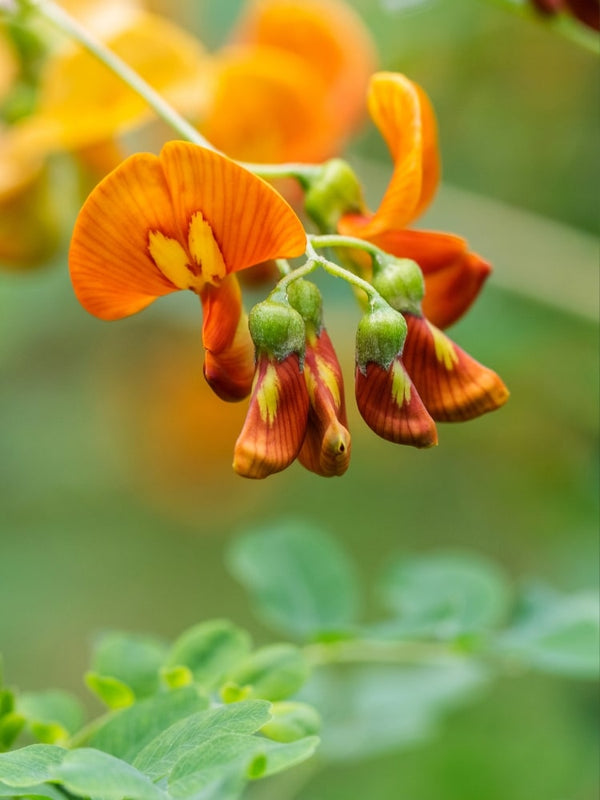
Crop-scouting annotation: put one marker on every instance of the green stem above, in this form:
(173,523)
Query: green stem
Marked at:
(335,269)
(48,9)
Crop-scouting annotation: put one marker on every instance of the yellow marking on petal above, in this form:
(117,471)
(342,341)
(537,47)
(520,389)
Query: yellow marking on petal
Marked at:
(328,377)
(171,259)
(205,250)
(444,349)
(268,395)
(400,384)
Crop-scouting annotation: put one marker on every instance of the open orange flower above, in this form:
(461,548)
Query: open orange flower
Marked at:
(187,219)
(453,274)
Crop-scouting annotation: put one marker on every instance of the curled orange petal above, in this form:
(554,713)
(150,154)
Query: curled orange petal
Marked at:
(390,405)
(453,386)
(276,421)
(327,444)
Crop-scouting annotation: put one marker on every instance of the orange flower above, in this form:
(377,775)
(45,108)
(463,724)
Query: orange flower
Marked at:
(187,219)
(453,274)
(295,71)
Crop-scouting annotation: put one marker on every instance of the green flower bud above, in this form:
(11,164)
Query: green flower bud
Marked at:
(277,329)
(400,282)
(380,337)
(305,297)
(334,192)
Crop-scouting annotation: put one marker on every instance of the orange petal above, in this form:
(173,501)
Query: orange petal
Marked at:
(327,445)
(112,271)
(453,275)
(276,422)
(405,118)
(453,385)
(327,35)
(389,404)
(249,220)
(276,118)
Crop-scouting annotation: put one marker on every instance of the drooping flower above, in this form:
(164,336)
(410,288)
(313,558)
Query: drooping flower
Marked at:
(451,384)
(453,274)
(327,444)
(386,397)
(275,424)
(186,219)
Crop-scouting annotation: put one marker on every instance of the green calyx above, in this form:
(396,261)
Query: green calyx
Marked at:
(400,282)
(380,336)
(306,299)
(277,329)
(334,192)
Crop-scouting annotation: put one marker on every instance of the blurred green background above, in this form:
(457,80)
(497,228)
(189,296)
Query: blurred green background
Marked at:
(117,494)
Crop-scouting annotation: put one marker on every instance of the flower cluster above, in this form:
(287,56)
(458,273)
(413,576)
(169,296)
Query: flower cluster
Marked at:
(192,218)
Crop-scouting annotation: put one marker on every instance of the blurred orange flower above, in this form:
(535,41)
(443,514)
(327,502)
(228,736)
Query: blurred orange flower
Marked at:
(453,274)
(187,219)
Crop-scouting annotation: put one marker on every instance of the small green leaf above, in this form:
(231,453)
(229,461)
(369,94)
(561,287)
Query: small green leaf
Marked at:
(158,758)
(176,677)
(30,765)
(134,660)
(271,673)
(11,725)
(53,707)
(300,579)
(209,650)
(556,633)
(444,596)
(126,732)
(113,692)
(291,721)
(91,772)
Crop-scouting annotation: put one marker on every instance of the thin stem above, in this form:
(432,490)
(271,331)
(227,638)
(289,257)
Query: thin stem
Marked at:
(336,270)
(281,289)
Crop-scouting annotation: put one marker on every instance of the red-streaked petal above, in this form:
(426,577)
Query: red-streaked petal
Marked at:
(390,405)
(221,309)
(453,275)
(452,385)
(276,421)
(327,445)
(249,220)
(111,269)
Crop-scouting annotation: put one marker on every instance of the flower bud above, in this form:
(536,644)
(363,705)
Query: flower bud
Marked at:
(380,337)
(335,192)
(277,329)
(306,299)
(400,282)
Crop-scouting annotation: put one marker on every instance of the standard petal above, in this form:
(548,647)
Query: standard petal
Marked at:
(112,271)
(249,220)
(390,405)
(452,385)
(453,275)
(276,421)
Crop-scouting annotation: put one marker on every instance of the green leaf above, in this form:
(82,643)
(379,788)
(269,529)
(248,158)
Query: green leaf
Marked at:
(291,721)
(11,725)
(38,792)
(52,715)
(271,673)
(126,732)
(30,765)
(300,579)
(372,710)
(209,650)
(113,692)
(443,596)
(91,772)
(556,632)
(159,756)
(134,660)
